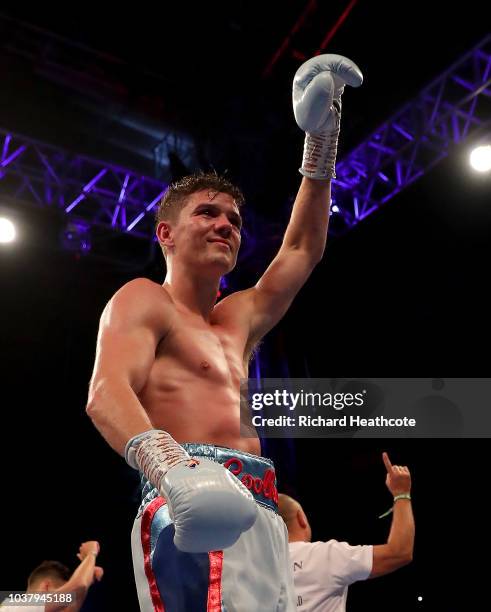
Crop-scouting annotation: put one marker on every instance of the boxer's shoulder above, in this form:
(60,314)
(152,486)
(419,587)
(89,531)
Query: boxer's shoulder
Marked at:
(140,300)
(142,291)
(235,307)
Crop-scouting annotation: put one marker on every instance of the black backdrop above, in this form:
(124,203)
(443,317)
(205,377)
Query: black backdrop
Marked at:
(403,294)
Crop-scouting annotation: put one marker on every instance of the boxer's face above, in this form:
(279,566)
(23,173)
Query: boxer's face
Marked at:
(207,234)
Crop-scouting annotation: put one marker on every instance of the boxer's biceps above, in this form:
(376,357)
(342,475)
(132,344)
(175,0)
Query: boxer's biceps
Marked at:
(126,356)
(277,288)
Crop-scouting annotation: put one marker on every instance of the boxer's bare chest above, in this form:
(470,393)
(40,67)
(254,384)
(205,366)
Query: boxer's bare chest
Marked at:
(214,350)
(193,390)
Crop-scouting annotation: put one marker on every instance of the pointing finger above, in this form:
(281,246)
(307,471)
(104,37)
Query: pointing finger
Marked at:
(387,463)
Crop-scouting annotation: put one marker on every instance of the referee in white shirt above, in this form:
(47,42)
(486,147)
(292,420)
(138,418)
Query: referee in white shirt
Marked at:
(323,571)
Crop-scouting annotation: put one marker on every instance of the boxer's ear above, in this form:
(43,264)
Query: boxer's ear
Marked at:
(302,519)
(164,234)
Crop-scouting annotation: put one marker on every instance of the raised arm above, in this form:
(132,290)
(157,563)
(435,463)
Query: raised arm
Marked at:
(301,250)
(317,91)
(81,579)
(131,326)
(398,550)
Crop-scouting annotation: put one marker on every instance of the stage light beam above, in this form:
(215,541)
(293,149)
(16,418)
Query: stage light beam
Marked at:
(480,158)
(7,230)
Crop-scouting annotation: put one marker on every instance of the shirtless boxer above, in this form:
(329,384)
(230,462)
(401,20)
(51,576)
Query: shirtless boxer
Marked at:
(165,392)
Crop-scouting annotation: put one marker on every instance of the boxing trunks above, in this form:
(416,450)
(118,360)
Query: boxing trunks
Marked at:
(253,575)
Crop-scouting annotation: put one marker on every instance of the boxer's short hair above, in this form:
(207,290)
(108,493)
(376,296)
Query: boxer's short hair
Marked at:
(176,197)
(49,569)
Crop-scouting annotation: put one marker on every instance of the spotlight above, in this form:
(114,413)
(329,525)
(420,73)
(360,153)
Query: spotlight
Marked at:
(7,230)
(480,158)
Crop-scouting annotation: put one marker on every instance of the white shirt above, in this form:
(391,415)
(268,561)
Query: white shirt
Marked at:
(322,572)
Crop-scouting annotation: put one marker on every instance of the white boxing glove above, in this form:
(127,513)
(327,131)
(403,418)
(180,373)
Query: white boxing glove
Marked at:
(317,89)
(210,507)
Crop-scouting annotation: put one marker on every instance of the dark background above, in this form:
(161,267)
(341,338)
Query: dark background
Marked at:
(403,294)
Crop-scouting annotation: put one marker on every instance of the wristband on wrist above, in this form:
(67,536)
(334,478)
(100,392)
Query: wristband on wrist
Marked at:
(401,496)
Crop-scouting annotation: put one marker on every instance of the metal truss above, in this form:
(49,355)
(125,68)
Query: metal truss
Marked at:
(92,193)
(100,201)
(451,108)
(85,189)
